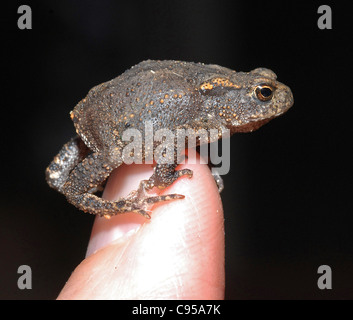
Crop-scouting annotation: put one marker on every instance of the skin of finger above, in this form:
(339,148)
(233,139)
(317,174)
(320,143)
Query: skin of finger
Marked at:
(178,254)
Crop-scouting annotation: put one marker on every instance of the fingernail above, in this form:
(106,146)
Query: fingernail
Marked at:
(118,227)
(121,182)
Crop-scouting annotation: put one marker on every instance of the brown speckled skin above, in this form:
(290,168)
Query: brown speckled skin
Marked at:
(171,94)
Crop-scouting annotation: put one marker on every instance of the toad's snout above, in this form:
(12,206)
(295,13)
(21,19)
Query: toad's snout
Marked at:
(284,99)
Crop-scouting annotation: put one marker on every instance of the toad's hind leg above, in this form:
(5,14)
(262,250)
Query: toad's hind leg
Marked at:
(164,175)
(89,174)
(68,157)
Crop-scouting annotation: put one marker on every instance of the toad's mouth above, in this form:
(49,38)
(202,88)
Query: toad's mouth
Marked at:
(250,126)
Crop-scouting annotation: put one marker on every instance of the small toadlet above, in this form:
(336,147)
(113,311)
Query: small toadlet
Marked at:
(169,94)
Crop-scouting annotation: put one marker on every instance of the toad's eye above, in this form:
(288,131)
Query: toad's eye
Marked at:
(264,92)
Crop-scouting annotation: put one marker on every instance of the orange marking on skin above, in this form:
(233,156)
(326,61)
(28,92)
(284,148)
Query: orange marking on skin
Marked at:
(225,83)
(206,86)
(216,82)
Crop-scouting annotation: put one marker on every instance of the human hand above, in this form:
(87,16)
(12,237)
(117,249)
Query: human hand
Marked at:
(178,254)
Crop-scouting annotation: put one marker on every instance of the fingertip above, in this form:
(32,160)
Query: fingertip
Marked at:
(122,181)
(177,254)
(194,226)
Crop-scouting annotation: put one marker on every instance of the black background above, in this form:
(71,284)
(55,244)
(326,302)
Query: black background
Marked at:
(288,196)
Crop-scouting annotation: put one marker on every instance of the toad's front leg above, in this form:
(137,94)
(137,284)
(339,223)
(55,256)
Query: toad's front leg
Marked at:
(165,174)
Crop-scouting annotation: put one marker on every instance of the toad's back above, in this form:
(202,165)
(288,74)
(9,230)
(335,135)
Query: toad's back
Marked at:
(176,94)
(160,91)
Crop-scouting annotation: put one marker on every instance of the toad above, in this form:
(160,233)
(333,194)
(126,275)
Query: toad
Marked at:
(169,94)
